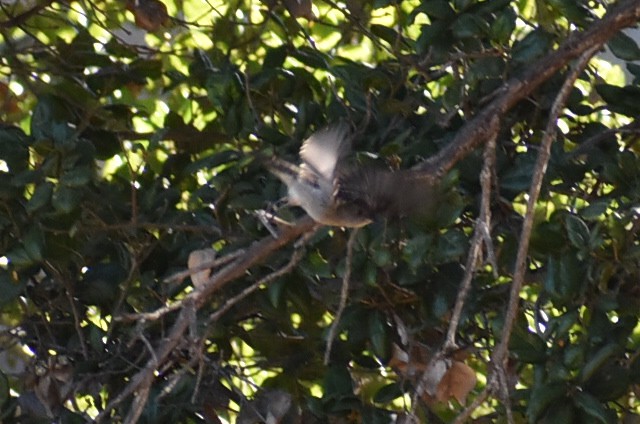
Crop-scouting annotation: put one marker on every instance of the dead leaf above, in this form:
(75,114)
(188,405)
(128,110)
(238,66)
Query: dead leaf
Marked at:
(198,258)
(300,8)
(150,15)
(438,379)
(458,381)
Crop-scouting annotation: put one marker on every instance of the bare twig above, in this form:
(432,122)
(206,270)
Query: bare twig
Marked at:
(499,356)
(230,303)
(344,295)
(466,413)
(584,147)
(260,250)
(479,236)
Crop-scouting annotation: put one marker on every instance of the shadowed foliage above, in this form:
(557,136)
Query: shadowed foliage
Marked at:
(133,133)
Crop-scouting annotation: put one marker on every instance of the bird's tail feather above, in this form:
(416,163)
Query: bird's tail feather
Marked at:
(285,171)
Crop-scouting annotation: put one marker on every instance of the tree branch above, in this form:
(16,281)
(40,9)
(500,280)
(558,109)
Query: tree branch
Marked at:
(476,131)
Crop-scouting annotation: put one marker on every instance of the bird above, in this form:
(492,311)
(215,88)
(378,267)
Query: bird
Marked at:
(335,192)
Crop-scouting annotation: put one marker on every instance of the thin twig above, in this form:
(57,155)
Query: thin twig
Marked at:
(466,413)
(482,227)
(141,381)
(230,303)
(500,356)
(344,294)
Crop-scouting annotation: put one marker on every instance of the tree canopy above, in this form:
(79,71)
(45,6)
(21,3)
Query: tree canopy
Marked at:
(139,281)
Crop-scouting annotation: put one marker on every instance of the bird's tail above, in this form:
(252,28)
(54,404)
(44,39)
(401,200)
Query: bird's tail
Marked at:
(285,171)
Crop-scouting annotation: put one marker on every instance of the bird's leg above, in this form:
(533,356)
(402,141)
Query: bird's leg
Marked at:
(268,216)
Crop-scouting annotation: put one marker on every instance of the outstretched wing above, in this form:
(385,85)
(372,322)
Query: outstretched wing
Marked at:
(385,193)
(325,149)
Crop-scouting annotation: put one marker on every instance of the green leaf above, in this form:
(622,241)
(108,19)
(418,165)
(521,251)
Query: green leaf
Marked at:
(371,274)
(316,265)
(415,250)
(597,360)
(517,178)
(141,69)
(100,285)
(486,68)
(337,383)
(10,289)
(19,258)
(451,246)
(559,413)
(312,58)
(469,26)
(577,231)
(624,47)
(41,197)
(382,257)
(386,33)
(275,57)
(65,199)
(436,9)
(33,243)
(14,148)
(503,26)
(623,100)
(527,347)
(77,177)
(572,10)
(4,389)
(52,119)
(541,397)
(436,35)
(573,357)
(388,393)
(595,210)
(534,45)
(378,335)
(591,406)
(565,277)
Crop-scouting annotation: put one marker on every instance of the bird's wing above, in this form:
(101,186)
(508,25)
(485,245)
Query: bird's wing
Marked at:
(325,149)
(385,193)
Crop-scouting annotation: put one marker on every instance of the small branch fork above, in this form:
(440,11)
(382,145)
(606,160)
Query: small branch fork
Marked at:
(141,382)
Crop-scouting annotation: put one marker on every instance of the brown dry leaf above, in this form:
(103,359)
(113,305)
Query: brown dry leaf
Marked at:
(458,381)
(196,259)
(441,379)
(408,365)
(300,8)
(9,106)
(149,14)
(53,382)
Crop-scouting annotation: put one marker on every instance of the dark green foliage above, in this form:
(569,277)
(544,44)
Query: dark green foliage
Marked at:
(121,159)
